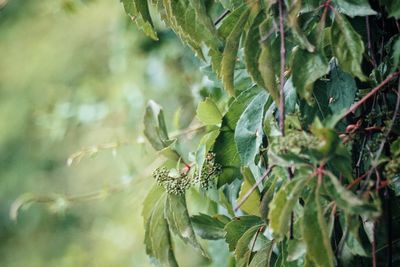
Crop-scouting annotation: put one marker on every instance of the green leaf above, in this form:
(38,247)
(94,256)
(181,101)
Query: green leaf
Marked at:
(347,201)
(354,8)
(252,204)
(225,147)
(308,67)
(243,244)
(267,197)
(347,46)
(282,206)
(293,15)
(315,232)
(262,257)
(252,50)
(159,249)
(269,59)
(396,51)
(208,227)
(208,112)
(392,7)
(152,197)
(179,221)
(230,53)
(296,249)
(154,126)
(237,227)
(341,90)
(138,10)
(249,132)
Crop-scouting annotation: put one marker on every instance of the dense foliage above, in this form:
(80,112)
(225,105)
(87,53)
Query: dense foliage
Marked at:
(298,160)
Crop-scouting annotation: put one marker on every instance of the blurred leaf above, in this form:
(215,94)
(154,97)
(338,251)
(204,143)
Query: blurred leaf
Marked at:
(282,206)
(179,221)
(249,132)
(251,206)
(237,227)
(309,68)
(293,23)
(354,8)
(267,198)
(159,249)
(396,50)
(315,232)
(138,10)
(346,200)
(342,89)
(208,112)
(296,249)
(208,227)
(154,126)
(347,46)
(243,243)
(392,7)
(230,53)
(262,257)
(252,50)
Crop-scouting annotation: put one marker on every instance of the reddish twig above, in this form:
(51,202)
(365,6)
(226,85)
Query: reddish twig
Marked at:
(374,91)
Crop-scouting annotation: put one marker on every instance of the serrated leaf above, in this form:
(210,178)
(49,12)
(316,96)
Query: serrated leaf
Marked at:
(237,227)
(252,204)
(347,46)
(230,52)
(208,227)
(243,244)
(282,206)
(155,129)
(159,249)
(269,59)
(341,90)
(315,232)
(308,68)
(347,201)
(208,112)
(138,10)
(354,8)
(249,132)
(179,221)
(252,50)
(293,23)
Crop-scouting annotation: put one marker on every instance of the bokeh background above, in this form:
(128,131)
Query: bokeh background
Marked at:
(75,76)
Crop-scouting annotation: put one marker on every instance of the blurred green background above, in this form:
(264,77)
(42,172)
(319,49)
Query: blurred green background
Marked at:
(75,74)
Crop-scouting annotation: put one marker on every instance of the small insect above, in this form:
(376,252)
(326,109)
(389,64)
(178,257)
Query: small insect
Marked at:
(331,100)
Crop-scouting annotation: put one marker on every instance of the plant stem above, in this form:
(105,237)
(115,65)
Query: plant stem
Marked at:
(282,76)
(247,195)
(374,91)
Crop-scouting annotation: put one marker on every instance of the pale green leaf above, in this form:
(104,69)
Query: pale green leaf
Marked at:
(208,112)
(354,8)
(252,204)
(249,132)
(230,52)
(315,232)
(138,10)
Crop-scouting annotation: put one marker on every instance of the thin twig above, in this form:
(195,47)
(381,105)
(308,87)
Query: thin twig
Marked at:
(282,74)
(221,17)
(370,50)
(247,195)
(374,91)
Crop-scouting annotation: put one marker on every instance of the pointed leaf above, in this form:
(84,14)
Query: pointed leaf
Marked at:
(208,112)
(243,243)
(237,227)
(354,8)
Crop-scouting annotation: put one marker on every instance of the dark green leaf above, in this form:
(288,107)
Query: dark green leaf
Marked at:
(341,90)
(237,227)
(293,23)
(208,227)
(354,7)
(243,244)
(308,67)
(347,46)
(392,7)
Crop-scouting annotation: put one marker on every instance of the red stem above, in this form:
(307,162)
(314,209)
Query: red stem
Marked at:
(374,91)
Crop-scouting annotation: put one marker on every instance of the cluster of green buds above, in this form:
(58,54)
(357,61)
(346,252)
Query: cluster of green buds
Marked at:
(173,181)
(209,172)
(296,142)
(178,181)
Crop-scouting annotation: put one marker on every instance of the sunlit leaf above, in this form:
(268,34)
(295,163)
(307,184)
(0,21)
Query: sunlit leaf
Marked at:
(354,8)
(251,206)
